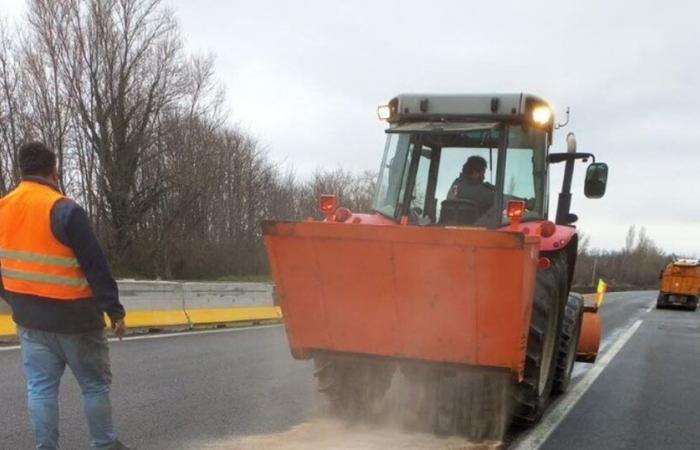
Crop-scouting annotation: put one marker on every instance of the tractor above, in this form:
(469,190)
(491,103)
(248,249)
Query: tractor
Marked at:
(456,279)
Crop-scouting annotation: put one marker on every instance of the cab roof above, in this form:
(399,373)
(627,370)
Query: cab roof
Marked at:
(416,107)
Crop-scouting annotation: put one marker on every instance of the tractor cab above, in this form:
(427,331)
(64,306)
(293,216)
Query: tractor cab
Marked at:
(469,160)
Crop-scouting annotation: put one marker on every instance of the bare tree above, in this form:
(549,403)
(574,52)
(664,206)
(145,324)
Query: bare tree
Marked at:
(353,191)
(143,141)
(44,93)
(121,63)
(629,239)
(11,113)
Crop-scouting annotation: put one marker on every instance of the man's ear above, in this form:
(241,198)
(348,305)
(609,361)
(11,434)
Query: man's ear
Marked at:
(54,175)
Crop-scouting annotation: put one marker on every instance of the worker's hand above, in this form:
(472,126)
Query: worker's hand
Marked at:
(119,328)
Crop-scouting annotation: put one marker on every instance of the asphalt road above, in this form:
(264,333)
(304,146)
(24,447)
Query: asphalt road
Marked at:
(199,390)
(178,392)
(647,397)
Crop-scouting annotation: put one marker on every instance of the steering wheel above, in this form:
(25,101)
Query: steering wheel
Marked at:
(458,211)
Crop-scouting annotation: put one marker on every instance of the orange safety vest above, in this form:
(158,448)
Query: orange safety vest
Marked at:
(32,260)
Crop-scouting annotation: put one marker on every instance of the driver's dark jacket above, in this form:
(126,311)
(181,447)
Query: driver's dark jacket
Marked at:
(469,189)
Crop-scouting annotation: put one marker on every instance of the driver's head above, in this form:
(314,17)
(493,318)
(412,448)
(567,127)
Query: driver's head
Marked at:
(475,168)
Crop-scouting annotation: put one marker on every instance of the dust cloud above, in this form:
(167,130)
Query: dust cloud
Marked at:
(427,410)
(333,434)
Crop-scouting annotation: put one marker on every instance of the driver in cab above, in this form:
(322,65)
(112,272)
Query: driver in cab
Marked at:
(470,185)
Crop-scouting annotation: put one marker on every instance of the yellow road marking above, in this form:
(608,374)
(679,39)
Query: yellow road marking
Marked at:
(162,318)
(168,318)
(7,326)
(223,315)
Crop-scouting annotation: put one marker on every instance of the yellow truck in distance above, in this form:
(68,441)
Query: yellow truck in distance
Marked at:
(680,285)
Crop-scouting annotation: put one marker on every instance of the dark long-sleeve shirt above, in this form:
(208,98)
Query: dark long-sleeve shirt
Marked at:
(71,227)
(482,194)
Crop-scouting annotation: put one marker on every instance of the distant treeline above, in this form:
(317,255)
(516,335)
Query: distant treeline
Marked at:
(636,266)
(143,142)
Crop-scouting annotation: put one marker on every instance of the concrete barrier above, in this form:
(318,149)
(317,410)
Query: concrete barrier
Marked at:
(210,303)
(156,304)
(153,303)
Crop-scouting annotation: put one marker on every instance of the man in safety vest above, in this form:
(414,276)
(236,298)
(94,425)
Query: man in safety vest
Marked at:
(58,283)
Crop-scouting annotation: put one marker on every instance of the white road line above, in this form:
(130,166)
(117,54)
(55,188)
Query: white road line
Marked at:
(650,308)
(552,419)
(8,348)
(171,335)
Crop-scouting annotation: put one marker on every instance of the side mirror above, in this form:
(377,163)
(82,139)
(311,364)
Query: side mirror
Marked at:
(596,180)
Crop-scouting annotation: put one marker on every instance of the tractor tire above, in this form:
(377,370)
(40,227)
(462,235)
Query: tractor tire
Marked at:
(532,395)
(473,405)
(472,402)
(693,304)
(353,387)
(568,343)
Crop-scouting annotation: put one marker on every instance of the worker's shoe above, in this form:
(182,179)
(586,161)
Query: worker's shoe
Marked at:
(119,446)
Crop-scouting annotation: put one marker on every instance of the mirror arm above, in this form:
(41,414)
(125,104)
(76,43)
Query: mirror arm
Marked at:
(554,158)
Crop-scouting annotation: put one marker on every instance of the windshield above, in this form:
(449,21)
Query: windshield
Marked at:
(392,173)
(525,171)
(462,178)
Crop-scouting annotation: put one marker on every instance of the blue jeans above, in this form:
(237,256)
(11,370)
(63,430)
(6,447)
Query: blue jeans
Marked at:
(45,356)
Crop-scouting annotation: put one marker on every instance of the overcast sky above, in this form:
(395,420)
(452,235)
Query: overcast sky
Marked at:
(305,78)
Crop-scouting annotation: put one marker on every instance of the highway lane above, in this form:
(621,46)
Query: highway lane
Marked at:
(177,391)
(647,397)
(619,311)
(191,390)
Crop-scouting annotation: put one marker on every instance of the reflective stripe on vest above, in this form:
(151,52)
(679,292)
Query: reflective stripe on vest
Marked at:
(40,278)
(32,260)
(41,259)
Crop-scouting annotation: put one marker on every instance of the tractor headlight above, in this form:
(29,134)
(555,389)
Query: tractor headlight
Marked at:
(389,112)
(384,112)
(541,115)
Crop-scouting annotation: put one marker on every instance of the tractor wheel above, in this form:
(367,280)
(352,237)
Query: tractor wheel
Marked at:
(533,392)
(568,342)
(354,387)
(693,304)
(472,402)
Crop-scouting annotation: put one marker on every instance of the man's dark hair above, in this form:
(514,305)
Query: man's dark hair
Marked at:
(35,158)
(474,164)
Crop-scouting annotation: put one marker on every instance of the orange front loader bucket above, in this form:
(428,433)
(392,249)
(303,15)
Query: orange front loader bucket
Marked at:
(459,296)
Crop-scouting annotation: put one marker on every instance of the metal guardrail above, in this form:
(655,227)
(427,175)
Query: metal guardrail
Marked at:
(156,304)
